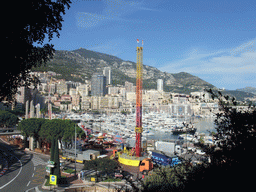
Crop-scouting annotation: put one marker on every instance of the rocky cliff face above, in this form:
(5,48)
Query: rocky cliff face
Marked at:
(85,62)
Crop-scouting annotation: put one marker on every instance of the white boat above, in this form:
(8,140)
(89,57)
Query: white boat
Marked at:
(147,133)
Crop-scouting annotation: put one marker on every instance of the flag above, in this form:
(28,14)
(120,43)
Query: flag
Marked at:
(138,41)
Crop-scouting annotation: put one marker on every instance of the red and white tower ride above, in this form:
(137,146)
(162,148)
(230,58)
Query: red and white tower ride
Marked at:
(138,128)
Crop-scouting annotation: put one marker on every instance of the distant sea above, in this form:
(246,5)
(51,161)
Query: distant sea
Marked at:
(203,125)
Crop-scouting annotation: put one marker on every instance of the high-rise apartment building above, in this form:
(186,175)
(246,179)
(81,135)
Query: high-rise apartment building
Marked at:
(23,94)
(160,85)
(72,91)
(75,100)
(107,73)
(129,87)
(52,88)
(98,85)
(83,90)
(62,88)
(113,90)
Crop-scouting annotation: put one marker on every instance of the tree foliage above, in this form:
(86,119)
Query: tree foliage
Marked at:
(103,164)
(32,23)
(44,129)
(107,165)
(7,119)
(167,178)
(236,132)
(91,165)
(31,127)
(52,129)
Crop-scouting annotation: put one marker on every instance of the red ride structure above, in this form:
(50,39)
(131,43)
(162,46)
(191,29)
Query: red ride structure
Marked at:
(138,128)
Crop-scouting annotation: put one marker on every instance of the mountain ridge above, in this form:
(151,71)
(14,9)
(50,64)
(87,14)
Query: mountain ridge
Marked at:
(248,90)
(80,64)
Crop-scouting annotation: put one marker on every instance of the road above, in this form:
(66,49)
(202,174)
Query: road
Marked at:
(25,170)
(10,131)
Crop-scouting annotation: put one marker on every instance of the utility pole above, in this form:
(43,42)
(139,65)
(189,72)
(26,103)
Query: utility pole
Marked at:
(75,150)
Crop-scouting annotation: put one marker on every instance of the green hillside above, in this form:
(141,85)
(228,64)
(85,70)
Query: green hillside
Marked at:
(79,65)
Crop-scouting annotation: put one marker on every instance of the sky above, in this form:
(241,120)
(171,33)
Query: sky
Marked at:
(212,39)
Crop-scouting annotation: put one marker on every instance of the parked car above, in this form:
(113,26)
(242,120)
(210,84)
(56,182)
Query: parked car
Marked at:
(118,174)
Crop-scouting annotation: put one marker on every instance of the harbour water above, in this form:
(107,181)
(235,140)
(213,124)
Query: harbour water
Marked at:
(203,125)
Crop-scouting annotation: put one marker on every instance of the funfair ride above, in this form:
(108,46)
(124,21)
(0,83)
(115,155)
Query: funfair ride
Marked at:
(138,128)
(125,156)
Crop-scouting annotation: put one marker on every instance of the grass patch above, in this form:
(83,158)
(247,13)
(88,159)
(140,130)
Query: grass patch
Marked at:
(69,171)
(112,180)
(47,182)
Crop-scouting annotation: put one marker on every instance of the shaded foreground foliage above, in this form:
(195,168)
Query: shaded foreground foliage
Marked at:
(31,23)
(7,119)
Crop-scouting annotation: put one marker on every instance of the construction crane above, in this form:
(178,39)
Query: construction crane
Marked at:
(138,128)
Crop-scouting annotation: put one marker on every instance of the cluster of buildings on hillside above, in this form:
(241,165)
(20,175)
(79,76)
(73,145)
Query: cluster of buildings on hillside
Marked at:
(100,95)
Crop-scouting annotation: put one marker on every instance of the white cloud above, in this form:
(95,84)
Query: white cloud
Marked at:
(88,20)
(232,65)
(217,61)
(248,46)
(115,10)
